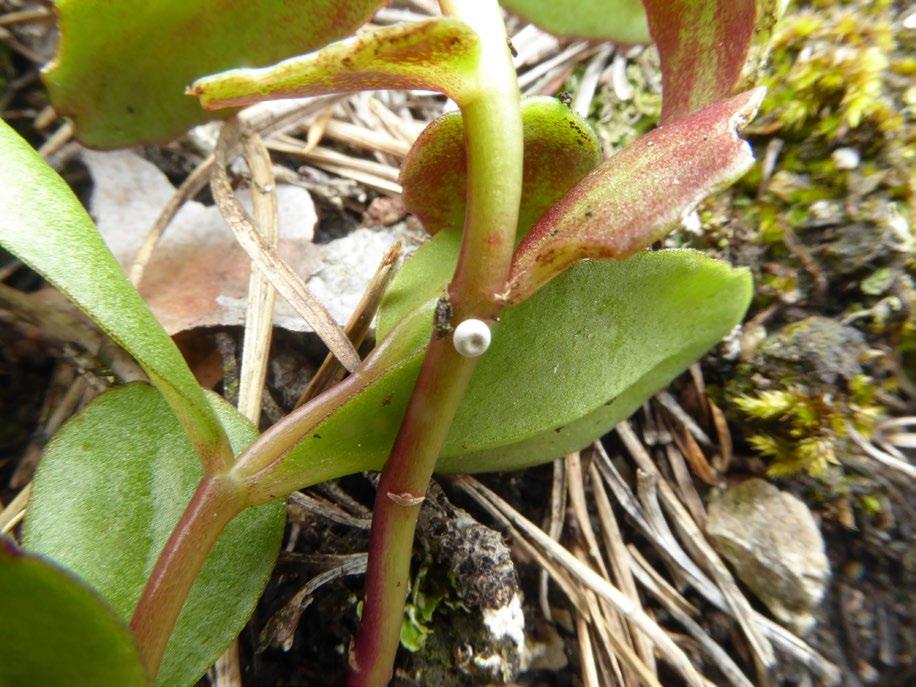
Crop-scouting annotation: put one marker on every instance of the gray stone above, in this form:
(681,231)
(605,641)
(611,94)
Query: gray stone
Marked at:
(775,546)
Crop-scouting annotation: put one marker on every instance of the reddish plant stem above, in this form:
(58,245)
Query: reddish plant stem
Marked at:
(257,477)
(493,139)
(262,468)
(494,147)
(215,503)
(440,386)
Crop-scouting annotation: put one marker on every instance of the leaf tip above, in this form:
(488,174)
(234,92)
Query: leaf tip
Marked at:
(748,110)
(199,90)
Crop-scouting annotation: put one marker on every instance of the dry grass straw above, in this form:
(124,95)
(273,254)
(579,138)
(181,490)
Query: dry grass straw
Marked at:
(614,588)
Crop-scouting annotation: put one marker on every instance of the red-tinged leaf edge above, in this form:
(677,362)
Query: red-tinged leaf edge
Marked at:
(703,46)
(638,195)
(439,54)
(434,174)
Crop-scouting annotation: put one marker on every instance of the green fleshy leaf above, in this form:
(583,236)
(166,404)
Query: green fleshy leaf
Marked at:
(703,46)
(113,484)
(44,225)
(615,333)
(621,21)
(56,631)
(564,366)
(639,194)
(560,149)
(438,54)
(434,174)
(122,66)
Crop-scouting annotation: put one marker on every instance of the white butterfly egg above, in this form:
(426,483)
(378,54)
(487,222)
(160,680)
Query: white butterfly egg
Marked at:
(471,338)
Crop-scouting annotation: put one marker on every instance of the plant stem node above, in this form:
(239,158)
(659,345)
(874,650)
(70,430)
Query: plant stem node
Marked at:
(407,500)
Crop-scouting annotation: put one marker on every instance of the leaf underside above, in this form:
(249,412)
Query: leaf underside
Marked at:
(620,21)
(56,631)
(112,485)
(564,366)
(438,54)
(43,224)
(559,149)
(122,67)
(639,194)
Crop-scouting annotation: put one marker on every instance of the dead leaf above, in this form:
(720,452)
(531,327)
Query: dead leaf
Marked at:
(198,275)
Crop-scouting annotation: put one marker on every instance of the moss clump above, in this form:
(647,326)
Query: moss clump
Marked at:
(835,145)
(824,219)
(620,121)
(828,66)
(801,392)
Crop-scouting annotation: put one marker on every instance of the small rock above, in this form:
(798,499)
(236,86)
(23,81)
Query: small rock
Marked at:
(825,213)
(909,21)
(775,546)
(816,352)
(846,158)
(785,184)
(691,223)
(385,211)
(348,263)
(852,247)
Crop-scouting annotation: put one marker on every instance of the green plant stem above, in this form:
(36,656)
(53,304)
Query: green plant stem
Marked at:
(216,502)
(493,139)
(261,466)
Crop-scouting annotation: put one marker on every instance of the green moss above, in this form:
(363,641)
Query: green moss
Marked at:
(620,122)
(836,80)
(825,233)
(427,592)
(817,392)
(804,432)
(827,71)
(871,504)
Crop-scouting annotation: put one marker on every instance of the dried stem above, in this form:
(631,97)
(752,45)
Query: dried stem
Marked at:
(261,294)
(258,330)
(357,328)
(265,259)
